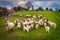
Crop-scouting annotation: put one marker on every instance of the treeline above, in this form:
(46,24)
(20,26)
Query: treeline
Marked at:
(29,6)
(48,9)
(5,12)
(19,8)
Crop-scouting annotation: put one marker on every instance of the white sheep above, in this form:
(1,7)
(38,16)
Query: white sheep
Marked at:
(47,28)
(28,15)
(26,28)
(45,24)
(16,21)
(19,25)
(31,22)
(37,25)
(10,26)
(52,24)
(34,17)
(7,21)
(41,22)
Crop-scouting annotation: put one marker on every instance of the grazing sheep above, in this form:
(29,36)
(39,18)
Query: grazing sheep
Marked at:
(47,28)
(20,15)
(45,24)
(37,25)
(16,21)
(34,17)
(7,21)
(26,28)
(32,23)
(41,22)
(52,24)
(10,26)
(18,25)
(29,26)
(28,16)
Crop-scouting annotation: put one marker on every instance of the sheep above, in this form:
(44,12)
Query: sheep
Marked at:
(37,25)
(7,21)
(28,16)
(26,28)
(41,22)
(47,28)
(18,25)
(26,25)
(29,27)
(16,21)
(10,26)
(31,23)
(20,15)
(34,17)
(45,24)
(52,24)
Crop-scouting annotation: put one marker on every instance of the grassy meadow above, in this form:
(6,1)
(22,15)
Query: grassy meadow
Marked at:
(39,34)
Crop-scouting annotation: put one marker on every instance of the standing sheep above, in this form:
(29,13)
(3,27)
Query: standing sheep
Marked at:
(52,24)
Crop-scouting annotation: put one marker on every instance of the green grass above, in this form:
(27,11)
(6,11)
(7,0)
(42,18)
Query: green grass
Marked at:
(34,34)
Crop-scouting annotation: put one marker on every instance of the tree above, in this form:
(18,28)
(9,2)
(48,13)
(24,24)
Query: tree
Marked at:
(19,8)
(29,5)
(56,9)
(47,9)
(4,11)
(32,7)
(50,9)
(15,8)
(59,10)
(40,8)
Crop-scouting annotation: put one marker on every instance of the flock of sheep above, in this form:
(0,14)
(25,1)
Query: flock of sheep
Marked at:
(29,23)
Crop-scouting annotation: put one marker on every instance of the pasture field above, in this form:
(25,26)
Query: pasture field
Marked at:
(34,34)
